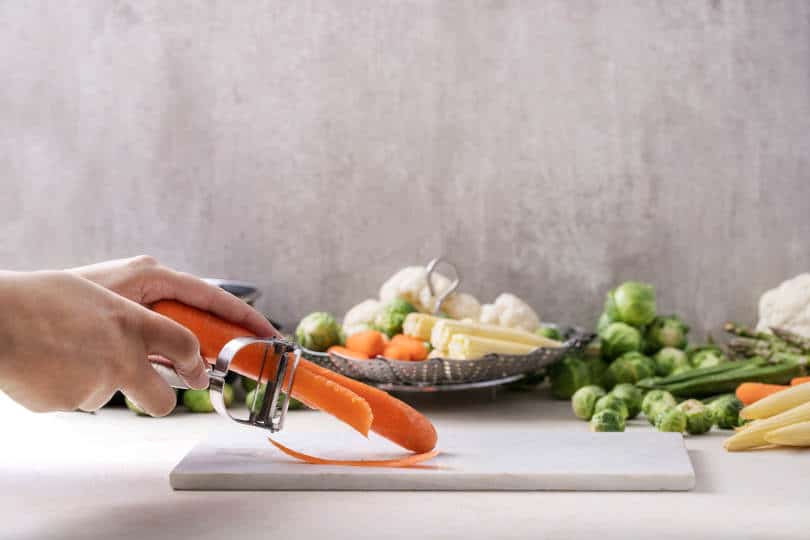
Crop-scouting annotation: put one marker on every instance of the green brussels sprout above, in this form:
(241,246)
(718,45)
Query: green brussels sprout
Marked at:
(598,368)
(726,411)
(663,332)
(248,384)
(604,321)
(550,332)
(199,401)
(631,396)
(254,398)
(619,338)
(632,302)
(612,402)
(655,399)
(668,359)
(593,350)
(389,320)
(318,331)
(708,357)
(630,368)
(681,369)
(584,400)
(699,418)
(607,420)
(132,406)
(569,375)
(672,420)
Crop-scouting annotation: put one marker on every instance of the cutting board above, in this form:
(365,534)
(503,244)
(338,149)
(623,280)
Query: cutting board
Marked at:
(527,460)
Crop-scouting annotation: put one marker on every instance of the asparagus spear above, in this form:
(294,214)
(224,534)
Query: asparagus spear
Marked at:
(792,338)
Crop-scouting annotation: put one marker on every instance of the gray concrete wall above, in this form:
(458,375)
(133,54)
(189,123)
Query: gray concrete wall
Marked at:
(550,148)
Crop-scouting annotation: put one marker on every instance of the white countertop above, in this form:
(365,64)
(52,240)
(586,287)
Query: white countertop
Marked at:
(73,475)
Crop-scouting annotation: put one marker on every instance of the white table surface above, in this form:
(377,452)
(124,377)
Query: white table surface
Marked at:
(73,475)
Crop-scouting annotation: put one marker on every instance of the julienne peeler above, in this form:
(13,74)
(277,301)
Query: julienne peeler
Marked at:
(270,413)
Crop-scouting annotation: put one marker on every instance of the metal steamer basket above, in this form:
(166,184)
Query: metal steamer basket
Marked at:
(439,374)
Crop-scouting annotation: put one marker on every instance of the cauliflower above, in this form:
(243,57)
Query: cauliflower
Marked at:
(411,284)
(406,284)
(361,316)
(510,311)
(462,306)
(787,306)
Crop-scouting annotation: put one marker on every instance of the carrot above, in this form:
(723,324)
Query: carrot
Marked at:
(343,351)
(751,392)
(369,342)
(415,346)
(397,352)
(799,380)
(406,461)
(351,401)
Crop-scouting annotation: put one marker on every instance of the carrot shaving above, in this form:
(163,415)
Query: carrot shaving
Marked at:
(404,461)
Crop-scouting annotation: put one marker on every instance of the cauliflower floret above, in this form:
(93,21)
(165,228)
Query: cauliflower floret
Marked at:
(787,306)
(462,306)
(361,316)
(510,311)
(405,284)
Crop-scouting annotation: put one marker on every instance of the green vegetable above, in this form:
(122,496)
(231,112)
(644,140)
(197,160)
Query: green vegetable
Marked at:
(699,418)
(614,403)
(726,411)
(708,357)
(584,400)
(656,400)
(607,420)
(631,396)
(248,384)
(667,331)
(672,420)
(199,401)
(669,359)
(593,350)
(598,368)
(318,331)
(569,375)
(629,368)
(254,398)
(550,332)
(632,302)
(389,320)
(619,338)
(134,408)
(604,321)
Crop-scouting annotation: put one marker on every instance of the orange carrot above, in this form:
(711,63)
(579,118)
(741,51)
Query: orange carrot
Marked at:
(799,380)
(406,461)
(351,401)
(397,352)
(369,342)
(415,346)
(751,392)
(343,351)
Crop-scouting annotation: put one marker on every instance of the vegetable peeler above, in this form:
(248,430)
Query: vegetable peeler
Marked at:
(271,411)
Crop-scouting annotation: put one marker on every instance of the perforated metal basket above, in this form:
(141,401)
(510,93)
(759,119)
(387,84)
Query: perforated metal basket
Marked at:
(436,372)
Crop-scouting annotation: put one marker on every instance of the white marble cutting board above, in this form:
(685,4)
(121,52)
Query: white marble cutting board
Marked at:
(471,460)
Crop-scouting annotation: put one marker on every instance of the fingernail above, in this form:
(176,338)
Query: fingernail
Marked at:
(200,376)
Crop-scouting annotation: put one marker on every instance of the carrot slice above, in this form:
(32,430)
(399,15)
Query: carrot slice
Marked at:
(349,353)
(312,389)
(351,401)
(405,461)
(799,380)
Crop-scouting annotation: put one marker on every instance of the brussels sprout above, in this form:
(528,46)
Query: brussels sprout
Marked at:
(134,408)
(631,396)
(619,338)
(655,399)
(629,368)
(254,398)
(389,320)
(612,402)
(666,332)
(598,368)
(604,321)
(699,418)
(199,401)
(549,331)
(569,375)
(318,331)
(607,420)
(593,350)
(248,384)
(668,359)
(632,302)
(672,420)
(584,400)
(726,411)
(708,357)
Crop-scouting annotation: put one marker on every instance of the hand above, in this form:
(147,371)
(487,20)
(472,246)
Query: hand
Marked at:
(72,338)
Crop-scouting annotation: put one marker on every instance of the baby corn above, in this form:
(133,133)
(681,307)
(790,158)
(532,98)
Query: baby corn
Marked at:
(419,325)
(444,330)
(466,347)
(754,435)
(776,403)
(793,435)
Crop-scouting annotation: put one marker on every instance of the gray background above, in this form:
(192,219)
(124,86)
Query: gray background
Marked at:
(550,148)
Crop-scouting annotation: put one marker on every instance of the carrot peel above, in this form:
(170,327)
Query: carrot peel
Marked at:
(400,462)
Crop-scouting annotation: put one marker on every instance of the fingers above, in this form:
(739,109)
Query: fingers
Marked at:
(149,391)
(164,337)
(197,293)
(97,400)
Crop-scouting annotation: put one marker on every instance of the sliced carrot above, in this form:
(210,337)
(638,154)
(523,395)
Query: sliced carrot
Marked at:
(415,346)
(343,351)
(405,461)
(751,392)
(369,342)
(351,401)
(397,352)
(799,380)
